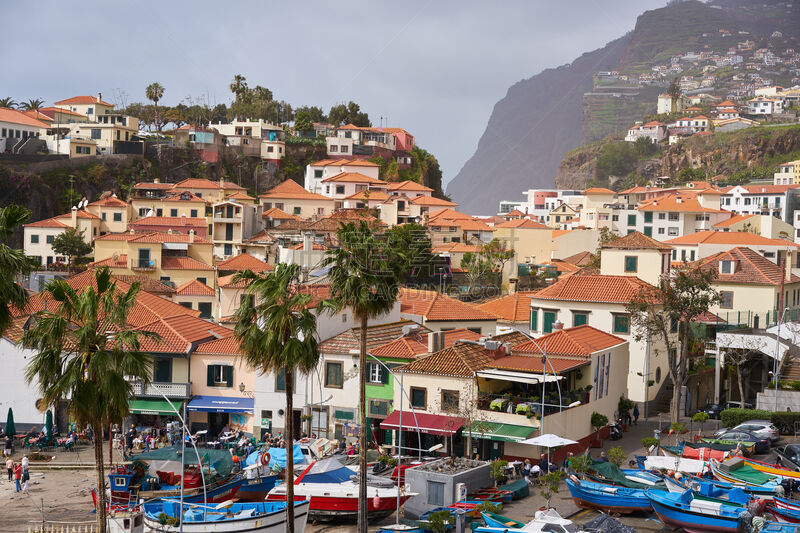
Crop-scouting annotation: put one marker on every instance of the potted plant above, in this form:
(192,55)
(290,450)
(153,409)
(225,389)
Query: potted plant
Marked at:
(498,471)
(440,521)
(550,483)
(649,442)
(598,421)
(700,417)
(624,406)
(617,455)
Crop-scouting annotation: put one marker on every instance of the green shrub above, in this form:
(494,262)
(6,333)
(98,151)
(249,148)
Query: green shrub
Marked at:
(580,463)
(499,470)
(678,427)
(598,420)
(624,405)
(617,455)
(647,442)
(785,421)
(734,417)
(440,521)
(794,385)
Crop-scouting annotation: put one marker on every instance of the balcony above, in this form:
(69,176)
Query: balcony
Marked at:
(530,406)
(143,265)
(155,389)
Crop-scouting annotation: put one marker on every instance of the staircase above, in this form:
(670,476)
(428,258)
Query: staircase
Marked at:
(661,403)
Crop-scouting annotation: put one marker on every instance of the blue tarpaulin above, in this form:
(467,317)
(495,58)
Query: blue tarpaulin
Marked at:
(278,456)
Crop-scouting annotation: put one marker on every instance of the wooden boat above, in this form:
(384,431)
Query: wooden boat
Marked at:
(519,489)
(591,495)
(786,516)
(782,503)
(401,528)
(777,527)
(683,510)
(747,447)
(701,454)
(485,497)
(258,481)
(543,521)
(505,495)
(775,470)
(123,491)
(766,491)
(735,470)
(263,517)
(496,520)
(708,491)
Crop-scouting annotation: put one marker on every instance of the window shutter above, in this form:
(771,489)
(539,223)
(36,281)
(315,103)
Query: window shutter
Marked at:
(229,375)
(210,374)
(384,375)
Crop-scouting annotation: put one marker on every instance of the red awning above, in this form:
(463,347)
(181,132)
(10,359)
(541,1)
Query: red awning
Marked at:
(423,423)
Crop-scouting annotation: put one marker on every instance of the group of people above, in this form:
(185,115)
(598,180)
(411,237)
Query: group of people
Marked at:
(20,473)
(532,472)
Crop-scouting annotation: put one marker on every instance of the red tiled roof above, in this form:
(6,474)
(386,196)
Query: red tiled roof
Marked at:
(580,259)
(261,237)
(683,202)
(511,308)
(562,266)
(314,246)
(183,263)
(202,183)
(51,112)
(278,214)
(290,189)
(580,341)
(636,241)
(408,185)
(749,268)
(411,346)
(182,196)
(195,288)
(39,115)
(343,162)
(153,237)
(735,219)
(170,221)
(602,190)
(110,201)
(432,201)
(239,196)
(456,247)
(47,223)
(223,346)
(243,262)
(593,288)
(446,213)
(120,262)
(733,238)
(181,334)
(460,359)
(376,195)
(529,363)
(226,282)
(524,223)
(435,306)
(83,99)
(378,335)
(353,177)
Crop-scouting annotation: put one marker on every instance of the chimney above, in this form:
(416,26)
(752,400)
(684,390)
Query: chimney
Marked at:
(558,325)
(304,274)
(496,349)
(156,180)
(183,219)
(787,267)
(221,183)
(74,214)
(191,236)
(435,341)
(308,242)
(99,97)
(679,200)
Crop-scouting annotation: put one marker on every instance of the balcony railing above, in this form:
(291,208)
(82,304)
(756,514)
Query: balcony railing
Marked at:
(144,265)
(529,406)
(155,388)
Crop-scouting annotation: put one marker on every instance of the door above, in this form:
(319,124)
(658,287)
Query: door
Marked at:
(162,370)
(648,230)
(144,257)
(297,423)
(229,211)
(216,421)
(229,232)
(496,451)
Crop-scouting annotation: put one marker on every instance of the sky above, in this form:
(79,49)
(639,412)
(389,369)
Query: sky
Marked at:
(434,68)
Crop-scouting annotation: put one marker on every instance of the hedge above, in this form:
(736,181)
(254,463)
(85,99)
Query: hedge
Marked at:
(785,421)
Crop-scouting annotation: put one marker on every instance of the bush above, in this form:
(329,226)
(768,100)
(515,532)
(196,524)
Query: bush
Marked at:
(625,405)
(785,421)
(734,417)
(617,455)
(648,442)
(678,427)
(598,420)
(499,470)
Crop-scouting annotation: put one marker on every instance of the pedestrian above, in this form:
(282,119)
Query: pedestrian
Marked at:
(129,436)
(18,477)
(9,445)
(635,414)
(526,470)
(25,462)
(10,467)
(26,478)
(90,434)
(544,464)
(602,458)
(567,462)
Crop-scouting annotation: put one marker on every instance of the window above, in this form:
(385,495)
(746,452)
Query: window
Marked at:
(674,216)
(228,249)
(296,210)
(34,239)
(334,377)
(220,376)
(344,149)
(631,220)
(726,267)
(205,309)
(340,189)
(549,318)
(580,318)
(193,213)
(159,212)
(280,381)
(435,493)
(691,256)
(117,217)
(162,370)
(49,239)
(187,305)
(614,218)
(534,320)
(673,232)
(726,299)
(621,324)
(270,148)
(378,407)
(317,173)
(648,230)
(419,397)
(648,217)
(631,263)
(449,400)
(173,212)
(376,373)
(661,231)
(333,148)
(662,216)
(683,255)
(95,133)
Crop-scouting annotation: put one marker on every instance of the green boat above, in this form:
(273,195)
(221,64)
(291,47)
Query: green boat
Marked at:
(729,445)
(499,521)
(519,488)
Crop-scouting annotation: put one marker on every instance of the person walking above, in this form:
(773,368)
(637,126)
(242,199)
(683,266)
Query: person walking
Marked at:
(26,478)
(567,462)
(526,471)
(10,468)
(635,414)
(18,477)
(9,445)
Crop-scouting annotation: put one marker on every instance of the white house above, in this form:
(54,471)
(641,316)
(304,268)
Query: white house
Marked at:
(764,106)
(327,168)
(654,131)
(16,126)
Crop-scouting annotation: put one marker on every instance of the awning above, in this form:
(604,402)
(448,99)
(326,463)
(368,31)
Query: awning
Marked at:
(221,404)
(500,432)
(154,407)
(520,377)
(423,423)
(175,246)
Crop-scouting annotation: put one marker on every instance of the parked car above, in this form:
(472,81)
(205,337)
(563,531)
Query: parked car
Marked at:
(788,456)
(760,428)
(762,443)
(712,410)
(738,405)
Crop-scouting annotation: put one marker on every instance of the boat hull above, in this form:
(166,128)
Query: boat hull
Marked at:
(787,516)
(343,507)
(214,494)
(770,469)
(274,522)
(692,521)
(624,501)
(256,490)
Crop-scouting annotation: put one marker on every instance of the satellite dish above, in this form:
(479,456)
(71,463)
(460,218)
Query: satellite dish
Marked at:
(150,213)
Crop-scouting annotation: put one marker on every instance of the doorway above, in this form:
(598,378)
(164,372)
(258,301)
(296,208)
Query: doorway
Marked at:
(216,421)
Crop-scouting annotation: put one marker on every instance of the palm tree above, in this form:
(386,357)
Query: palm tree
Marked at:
(8,102)
(34,104)
(363,277)
(154,92)
(276,332)
(12,263)
(238,85)
(85,351)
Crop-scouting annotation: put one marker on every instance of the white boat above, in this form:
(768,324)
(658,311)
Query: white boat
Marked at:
(544,521)
(227,517)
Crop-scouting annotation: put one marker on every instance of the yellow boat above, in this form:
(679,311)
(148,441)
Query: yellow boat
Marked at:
(772,469)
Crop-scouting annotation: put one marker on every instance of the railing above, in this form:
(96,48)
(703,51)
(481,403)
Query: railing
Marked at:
(143,265)
(529,406)
(154,389)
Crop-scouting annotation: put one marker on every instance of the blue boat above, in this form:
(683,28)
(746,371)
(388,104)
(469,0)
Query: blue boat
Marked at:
(547,520)
(775,527)
(591,495)
(705,490)
(768,490)
(262,517)
(256,489)
(790,516)
(683,510)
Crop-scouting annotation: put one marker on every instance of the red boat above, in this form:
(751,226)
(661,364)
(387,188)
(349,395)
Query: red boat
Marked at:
(333,491)
(497,495)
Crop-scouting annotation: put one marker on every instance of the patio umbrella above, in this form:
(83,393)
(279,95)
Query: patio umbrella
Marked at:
(11,429)
(548,440)
(48,425)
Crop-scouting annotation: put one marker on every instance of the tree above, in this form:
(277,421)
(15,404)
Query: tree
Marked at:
(154,92)
(348,114)
(497,254)
(417,259)
(34,104)
(674,91)
(617,455)
(644,147)
(660,311)
(550,483)
(276,332)
(477,268)
(303,122)
(238,86)
(736,360)
(615,158)
(13,263)
(700,417)
(8,102)
(71,243)
(315,114)
(86,352)
(364,275)
(598,421)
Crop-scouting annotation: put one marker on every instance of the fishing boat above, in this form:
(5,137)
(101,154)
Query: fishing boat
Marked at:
(519,489)
(333,492)
(683,510)
(505,495)
(609,473)
(708,491)
(769,490)
(727,445)
(700,453)
(782,503)
(772,469)
(777,527)
(735,470)
(591,495)
(547,520)
(161,516)
(130,485)
(786,516)
(258,481)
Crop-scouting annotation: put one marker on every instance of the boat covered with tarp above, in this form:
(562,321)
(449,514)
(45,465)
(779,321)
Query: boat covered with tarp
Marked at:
(608,472)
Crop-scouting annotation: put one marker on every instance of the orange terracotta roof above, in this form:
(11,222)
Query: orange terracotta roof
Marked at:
(458,360)
(239,196)
(456,247)
(278,214)
(290,189)
(148,284)
(195,288)
(151,185)
(432,201)
(639,189)
(226,282)
(170,221)
(183,263)
(521,223)
(182,196)
(353,177)
(334,221)
(733,238)
(600,190)
(593,288)
(377,335)
(415,344)
(580,259)
(181,334)
(533,364)
(83,99)
(47,223)
(408,185)
(18,117)
(314,246)
(636,241)
(261,237)
(243,262)
(726,103)
(343,162)
(446,213)
(223,346)
(51,112)
(39,115)
(763,189)
(435,306)
(511,308)
(680,202)
(580,341)
(735,219)
(559,232)
(110,201)
(562,266)
(749,267)
(120,262)
(202,183)
(376,195)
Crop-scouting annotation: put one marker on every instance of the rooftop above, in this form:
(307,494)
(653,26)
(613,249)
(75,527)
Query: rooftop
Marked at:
(749,267)
(515,308)
(194,288)
(636,241)
(348,342)
(243,262)
(290,189)
(593,288)
(733,238)
(435,306)
(580,342)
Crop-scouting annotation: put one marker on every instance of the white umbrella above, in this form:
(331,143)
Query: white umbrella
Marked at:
(548,440)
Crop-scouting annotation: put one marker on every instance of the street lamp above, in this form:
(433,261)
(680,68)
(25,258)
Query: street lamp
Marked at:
(777,346)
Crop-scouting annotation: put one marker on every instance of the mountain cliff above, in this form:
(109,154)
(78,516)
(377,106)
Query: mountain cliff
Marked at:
(543,117)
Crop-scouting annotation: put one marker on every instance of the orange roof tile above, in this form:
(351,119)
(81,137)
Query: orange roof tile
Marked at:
(636,241)
(749,267)
(170,221)
(580,259)
(435,306)
(243,262)
(680,202)
(456,247)
(593,288)
(110,201)
(733,238)
(182,196)
(278,214)
(559,232)
(120,262)
(261,237)
(47,223)
(521,223)
(51,112)
(580,341)
(533,364)
(377,195)
(223,346)
(511,308)
(202,183)
(458,360)
(183,263)
(314,246)
(194,288)
(226,282)
(561,266)
(410,346)
(599,190)
(735,219)
(446,213)
(377,335)
(83,99)
(408,185)
(181,334)
(432,201)
(290,189)
(353,177)
(38,115)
